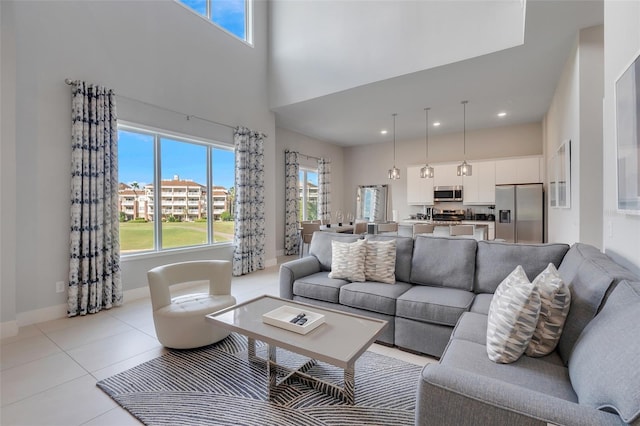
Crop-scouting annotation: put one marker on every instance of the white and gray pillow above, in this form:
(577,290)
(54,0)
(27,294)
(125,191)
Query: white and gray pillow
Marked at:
(380,261)
(555,301)
(347,260)
(513,316)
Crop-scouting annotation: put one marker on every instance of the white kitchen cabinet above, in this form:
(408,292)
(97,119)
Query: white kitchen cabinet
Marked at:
(419,190)
(519,170)
(446,175)
(480,187)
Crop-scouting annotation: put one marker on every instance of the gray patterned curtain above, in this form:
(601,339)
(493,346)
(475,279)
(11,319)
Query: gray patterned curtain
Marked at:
(94,267)
(324,189)
(249,235)
(292,200)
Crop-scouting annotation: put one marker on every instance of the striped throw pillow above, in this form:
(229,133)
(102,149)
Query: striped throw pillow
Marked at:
(347,260)
(380,261)
(513,316)
(555,300)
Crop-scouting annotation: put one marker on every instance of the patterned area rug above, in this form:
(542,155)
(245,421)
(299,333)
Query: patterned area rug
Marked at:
(217,385)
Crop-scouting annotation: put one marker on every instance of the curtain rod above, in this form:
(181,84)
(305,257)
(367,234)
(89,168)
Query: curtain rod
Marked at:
(69,82)
(309,156)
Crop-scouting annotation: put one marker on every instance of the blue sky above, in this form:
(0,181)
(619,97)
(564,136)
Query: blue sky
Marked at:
(135,159)
(229,14)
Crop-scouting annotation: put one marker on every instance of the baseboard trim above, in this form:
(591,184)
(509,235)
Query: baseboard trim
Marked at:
(8,329)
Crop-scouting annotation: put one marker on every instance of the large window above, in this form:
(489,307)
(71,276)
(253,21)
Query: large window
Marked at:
(174,192)
(308,190)
(231,15)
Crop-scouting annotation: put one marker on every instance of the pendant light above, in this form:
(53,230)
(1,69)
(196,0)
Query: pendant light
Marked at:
(427,171)
(394,173)
(464,169)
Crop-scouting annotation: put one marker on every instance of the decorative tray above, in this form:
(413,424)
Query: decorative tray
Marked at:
(284,315)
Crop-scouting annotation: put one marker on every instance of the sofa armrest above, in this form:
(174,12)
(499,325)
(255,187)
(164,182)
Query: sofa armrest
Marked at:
(451,396)
(295,269)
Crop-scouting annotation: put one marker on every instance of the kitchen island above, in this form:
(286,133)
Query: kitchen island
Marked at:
(406,224)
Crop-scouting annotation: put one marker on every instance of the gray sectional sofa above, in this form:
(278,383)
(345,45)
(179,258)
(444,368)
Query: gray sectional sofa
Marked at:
(439,306)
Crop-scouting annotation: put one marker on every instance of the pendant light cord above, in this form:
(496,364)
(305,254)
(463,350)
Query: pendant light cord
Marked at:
(426,134)
(394,139)
(464,129)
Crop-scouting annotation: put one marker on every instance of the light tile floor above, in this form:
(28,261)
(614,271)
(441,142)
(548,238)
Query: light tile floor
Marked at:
(48,372)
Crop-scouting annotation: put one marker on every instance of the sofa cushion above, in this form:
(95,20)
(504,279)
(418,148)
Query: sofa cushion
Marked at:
(380,261)
(320,246)
(481,303)
(434,304)
(471,326)
(319,286)
(373,296)
(590,274)
(604,364)
(555,300)
(496,260)
(347,260)
(513,316)
(444,262)
(535,374)
(404,253)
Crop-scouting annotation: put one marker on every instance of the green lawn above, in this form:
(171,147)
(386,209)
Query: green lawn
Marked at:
(136,236)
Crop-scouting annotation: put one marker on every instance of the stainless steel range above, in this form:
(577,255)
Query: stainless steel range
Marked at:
(448,216)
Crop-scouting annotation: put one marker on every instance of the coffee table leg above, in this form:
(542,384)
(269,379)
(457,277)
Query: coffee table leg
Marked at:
(272,371)
(251,343)
(349,385)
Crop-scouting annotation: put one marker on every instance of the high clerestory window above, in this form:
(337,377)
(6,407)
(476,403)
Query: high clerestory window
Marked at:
(234,16)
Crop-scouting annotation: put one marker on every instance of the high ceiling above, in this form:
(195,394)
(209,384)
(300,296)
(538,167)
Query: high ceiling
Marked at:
(519,81)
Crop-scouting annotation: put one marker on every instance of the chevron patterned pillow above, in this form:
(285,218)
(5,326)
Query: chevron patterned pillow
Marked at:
(513,316)
(380,261)
(555,300)
(347,260)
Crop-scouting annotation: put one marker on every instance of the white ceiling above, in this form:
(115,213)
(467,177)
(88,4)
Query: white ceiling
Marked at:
(520,80)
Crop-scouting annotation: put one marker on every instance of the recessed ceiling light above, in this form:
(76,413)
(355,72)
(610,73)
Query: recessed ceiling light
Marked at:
(502,114)
(383,132)
(436,124)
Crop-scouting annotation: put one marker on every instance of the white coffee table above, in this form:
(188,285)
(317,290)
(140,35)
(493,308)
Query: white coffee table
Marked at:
(339,341)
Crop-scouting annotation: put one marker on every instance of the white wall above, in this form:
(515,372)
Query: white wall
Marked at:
(157,52)
(286,139)
(368,164)
(622,44)
(407,36)
(562,123)
(576,114)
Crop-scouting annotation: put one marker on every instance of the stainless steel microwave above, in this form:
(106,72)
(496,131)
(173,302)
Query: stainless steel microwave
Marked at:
(447,193)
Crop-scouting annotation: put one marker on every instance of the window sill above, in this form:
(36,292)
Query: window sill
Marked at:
(172,252)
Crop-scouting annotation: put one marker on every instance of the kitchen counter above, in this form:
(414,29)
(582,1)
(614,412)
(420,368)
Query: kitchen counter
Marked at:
(490,224)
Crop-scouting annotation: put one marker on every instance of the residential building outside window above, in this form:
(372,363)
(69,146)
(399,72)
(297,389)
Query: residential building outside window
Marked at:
(308,190)
(181,199)
(234,16)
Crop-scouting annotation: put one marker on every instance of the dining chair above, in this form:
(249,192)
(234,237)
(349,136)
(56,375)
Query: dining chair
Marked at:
(442,231)
(360,228)
(307,233)
(423,228)
(388,228)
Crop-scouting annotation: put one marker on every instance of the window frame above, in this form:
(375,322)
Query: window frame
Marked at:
(157,135)
(248,20)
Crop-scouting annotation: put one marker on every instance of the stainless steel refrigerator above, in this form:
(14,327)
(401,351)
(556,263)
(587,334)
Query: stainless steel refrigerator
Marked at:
(519,213)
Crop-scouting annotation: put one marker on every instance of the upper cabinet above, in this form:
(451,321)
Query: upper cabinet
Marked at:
(446,175)
(480,187)
(419,190)
(519,170)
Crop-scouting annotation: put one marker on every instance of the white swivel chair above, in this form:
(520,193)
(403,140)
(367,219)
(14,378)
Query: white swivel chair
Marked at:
(180,322)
